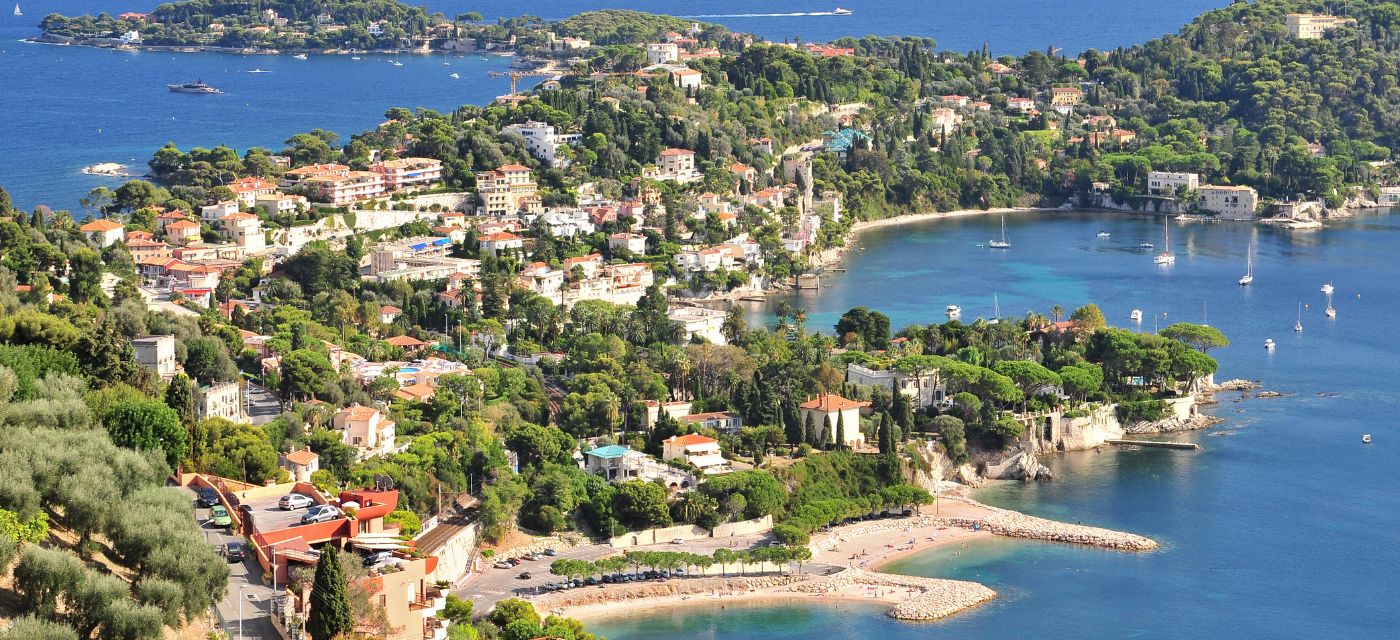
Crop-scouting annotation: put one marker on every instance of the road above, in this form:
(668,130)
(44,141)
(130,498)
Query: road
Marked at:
(492,585)
(244,582)
(261,404)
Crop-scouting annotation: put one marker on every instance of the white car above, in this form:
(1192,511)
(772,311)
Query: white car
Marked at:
(294,501)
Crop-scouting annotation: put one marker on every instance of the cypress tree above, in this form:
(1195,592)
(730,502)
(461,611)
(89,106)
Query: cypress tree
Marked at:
(330,605)
(840,431)
(813,437)
(886,437)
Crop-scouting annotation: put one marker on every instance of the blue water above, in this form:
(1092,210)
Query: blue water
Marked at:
(1284,529)
(64,108)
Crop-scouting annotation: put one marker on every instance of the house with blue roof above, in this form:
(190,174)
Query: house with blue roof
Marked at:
(842,141)
(617,463)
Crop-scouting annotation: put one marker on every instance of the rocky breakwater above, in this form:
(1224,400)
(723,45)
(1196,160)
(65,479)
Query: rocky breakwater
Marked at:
(923,598)
(1014,524)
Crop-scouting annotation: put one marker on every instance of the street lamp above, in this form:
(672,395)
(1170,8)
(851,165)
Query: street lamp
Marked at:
(241,587)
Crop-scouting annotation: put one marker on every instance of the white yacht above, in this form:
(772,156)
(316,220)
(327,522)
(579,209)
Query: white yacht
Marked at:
(455,75)
(1331,312)
(1136,315)
(1248,277)
(1166,256)
(1269,344)
(1002,243)
(1298,324)
(1103,234)
(300,56)
(1327,288)
(838,11)
(954,311)
(1366,439)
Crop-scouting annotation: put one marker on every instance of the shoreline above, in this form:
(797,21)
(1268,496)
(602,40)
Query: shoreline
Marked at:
(203,48)
(833,255)
(863,548)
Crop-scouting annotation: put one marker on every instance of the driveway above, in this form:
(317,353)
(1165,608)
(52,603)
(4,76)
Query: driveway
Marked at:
(244,584)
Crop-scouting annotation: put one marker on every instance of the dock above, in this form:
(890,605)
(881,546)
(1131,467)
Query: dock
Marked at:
(1157,443)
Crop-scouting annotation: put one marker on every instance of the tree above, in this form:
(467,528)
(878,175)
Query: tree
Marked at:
(641,505)
(1081,379)
(457,610)
(85,277)
(513,610)
(1088,318)
(1030,377)
(303,374)
(951,431)
(147,424)
(1197,336)
(330,605)
(207,360)
(109,359)
(179,398)
(243,452)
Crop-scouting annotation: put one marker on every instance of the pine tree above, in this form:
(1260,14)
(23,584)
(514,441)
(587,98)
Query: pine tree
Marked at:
(813,437)
(330,605)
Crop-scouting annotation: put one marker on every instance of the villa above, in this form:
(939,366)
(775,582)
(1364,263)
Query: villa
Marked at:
(697,450)
(365,429)
(831,409)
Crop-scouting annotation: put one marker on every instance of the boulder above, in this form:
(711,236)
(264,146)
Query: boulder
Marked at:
(1023,466)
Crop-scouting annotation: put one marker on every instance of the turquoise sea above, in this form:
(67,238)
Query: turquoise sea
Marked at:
(1283,526)
(63,108)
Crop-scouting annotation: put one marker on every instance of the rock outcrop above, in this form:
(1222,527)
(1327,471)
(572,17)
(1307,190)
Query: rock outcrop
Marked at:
(1021,466)
(928,599)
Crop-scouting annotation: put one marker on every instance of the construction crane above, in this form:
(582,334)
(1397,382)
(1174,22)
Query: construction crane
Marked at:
(515,76)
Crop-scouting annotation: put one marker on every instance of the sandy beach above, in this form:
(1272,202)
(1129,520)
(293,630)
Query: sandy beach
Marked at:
(832,255)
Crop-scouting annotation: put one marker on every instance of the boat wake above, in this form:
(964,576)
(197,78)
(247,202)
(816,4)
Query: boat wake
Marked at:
(804,14)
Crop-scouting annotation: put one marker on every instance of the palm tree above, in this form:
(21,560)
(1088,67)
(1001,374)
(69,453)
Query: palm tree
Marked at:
(1057,312)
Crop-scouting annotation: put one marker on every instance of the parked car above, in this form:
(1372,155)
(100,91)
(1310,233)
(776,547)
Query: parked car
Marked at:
(208,497)
(377,557)
(246,510)
(294,501)
(219,515)
(677,541)
(513,561)
(234,552)
(524,575)
(502,565)
(529,556)
(320,513)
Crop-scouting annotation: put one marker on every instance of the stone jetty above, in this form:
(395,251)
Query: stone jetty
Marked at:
(926,598)
(1014,524)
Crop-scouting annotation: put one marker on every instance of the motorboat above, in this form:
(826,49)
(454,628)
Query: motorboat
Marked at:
(1269,344)
(1136,315)
(198,86)
(838,11)
(1146,245)
(1103,234)
(300,56)
(1366,438)
(954,311)
(1327,288)
(455,75)
(259,71)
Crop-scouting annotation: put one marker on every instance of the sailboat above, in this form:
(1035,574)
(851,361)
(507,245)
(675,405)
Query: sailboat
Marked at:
(1166,256)
(1248,269)
(17,11)
(1000,244)
(1298,325)
(1331,312)
(996,310)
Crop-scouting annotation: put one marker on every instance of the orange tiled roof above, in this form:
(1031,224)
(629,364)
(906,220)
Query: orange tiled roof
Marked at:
(99,225)
(831,402)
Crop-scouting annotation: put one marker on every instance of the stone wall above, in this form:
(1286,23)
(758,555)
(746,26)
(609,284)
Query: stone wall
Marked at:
(456,201)
(455,556)
(691,532)
(743,528)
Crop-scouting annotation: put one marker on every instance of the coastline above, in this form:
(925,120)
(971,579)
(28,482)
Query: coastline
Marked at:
(833,255)
(203,48)
(852,555)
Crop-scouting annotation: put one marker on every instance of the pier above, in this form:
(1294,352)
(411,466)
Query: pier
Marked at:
(1158,444)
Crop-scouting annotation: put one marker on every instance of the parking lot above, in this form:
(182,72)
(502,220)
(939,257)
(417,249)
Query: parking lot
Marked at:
(493,584)
(267,516)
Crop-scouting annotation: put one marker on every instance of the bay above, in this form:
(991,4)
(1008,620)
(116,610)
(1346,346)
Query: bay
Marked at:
(1283,528)
(63,108)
